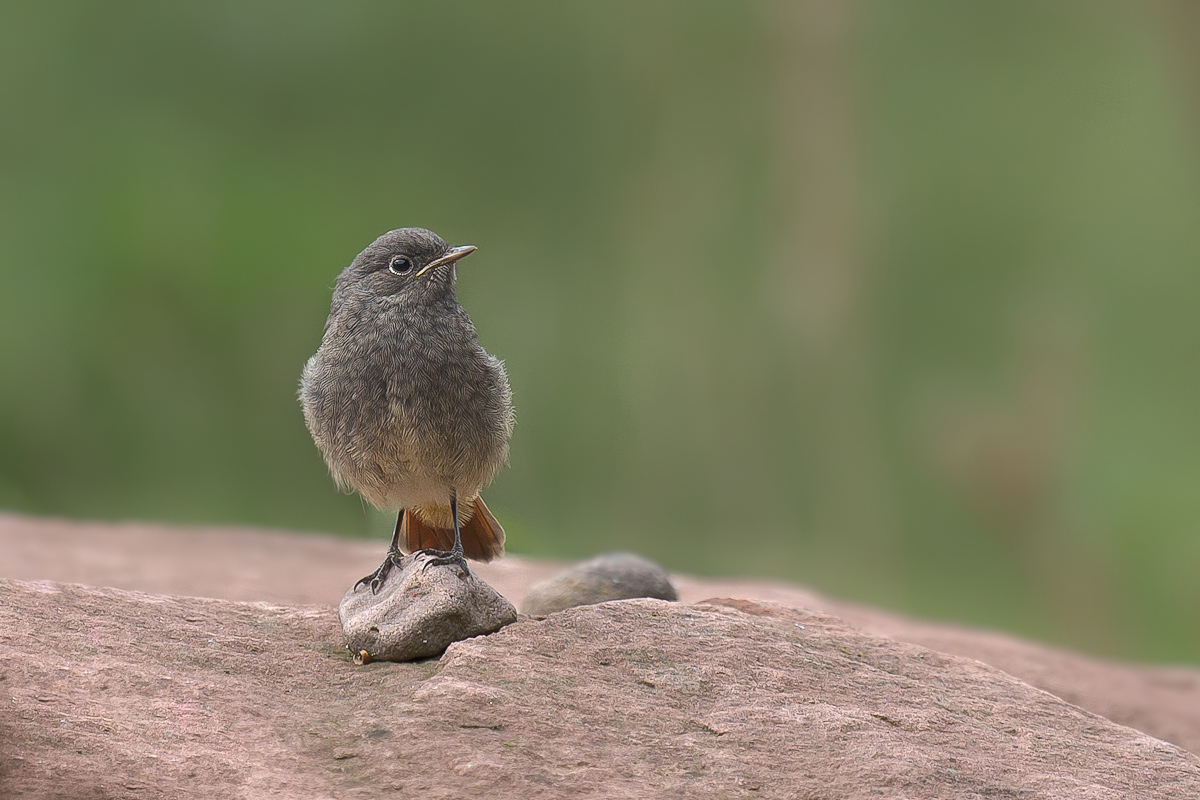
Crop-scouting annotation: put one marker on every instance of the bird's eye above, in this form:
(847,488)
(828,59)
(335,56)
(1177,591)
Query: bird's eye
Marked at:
(400,265)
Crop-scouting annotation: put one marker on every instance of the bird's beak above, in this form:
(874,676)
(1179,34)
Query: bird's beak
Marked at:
(452,255)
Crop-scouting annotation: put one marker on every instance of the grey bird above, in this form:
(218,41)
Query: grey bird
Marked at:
(405,405)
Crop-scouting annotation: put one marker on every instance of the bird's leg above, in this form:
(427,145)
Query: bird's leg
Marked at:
(376,578)
(455,554)
(456,551)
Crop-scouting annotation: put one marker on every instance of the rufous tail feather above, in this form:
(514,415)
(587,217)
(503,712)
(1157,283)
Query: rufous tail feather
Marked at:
(482,537)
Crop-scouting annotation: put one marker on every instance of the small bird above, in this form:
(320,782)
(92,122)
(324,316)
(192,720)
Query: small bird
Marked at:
(405,405)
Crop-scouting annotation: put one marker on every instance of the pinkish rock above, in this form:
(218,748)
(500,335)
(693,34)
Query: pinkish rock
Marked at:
(118,694)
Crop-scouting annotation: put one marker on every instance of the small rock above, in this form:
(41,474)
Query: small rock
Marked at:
(613,576)
(419,611)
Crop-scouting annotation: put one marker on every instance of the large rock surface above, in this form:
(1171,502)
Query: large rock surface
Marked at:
(121,694)
(114,693)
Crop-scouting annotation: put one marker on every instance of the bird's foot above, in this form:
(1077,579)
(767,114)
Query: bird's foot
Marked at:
(375,579)
(438,558)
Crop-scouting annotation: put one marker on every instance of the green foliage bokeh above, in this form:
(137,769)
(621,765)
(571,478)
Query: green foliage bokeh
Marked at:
(898,300)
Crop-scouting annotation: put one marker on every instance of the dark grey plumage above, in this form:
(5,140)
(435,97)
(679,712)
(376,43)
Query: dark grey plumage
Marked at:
(404,404)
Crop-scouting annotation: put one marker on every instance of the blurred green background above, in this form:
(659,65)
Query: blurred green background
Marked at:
(898,300)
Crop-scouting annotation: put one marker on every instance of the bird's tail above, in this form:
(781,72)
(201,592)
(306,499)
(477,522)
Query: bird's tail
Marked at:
(482,537)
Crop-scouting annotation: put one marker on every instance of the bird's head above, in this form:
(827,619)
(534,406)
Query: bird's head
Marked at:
(408,265)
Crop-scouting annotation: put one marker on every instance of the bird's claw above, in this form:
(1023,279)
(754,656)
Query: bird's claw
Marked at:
(375,579)
(438,558)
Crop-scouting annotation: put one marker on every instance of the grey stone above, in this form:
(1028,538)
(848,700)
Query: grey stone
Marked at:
(613,576)
(419,611)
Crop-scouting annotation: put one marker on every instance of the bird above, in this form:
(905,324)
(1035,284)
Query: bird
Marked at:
(406,406)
